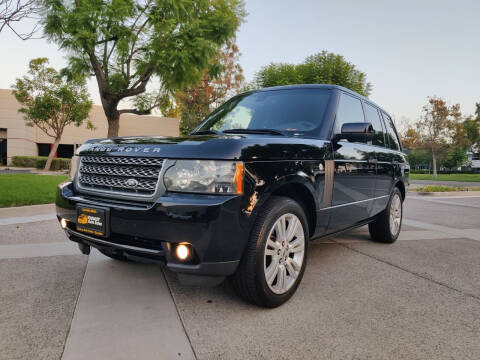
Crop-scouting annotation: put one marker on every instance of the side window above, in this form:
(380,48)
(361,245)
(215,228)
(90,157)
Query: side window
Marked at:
(391,133)
(349,111)
(372,116)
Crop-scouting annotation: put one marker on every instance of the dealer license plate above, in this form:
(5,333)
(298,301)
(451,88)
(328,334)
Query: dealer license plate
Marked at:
(92,220)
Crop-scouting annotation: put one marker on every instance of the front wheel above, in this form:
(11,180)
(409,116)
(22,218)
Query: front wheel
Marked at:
(275,258)
(386,227)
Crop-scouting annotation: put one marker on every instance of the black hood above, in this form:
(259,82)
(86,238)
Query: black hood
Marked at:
(216,147)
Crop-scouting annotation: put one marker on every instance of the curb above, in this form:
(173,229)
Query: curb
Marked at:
(28,210)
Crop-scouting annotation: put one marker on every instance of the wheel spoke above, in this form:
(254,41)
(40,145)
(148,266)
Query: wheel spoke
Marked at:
(282,277)
(271,272)
(272,244)
(270,252)
(280,229)
(292,228)
(292,268)
(298,248)
(297,242)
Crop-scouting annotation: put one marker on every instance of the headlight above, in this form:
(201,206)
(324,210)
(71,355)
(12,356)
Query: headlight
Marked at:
(205,176)
(73,167)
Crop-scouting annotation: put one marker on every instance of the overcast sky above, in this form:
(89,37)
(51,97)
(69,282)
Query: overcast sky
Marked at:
(408,49)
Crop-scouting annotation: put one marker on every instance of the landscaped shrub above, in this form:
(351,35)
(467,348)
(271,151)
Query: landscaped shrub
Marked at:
(419,171)
(39,162)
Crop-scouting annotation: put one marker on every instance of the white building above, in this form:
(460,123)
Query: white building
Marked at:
(16,138)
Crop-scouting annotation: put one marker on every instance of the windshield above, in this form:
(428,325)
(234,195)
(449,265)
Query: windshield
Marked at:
(289,112)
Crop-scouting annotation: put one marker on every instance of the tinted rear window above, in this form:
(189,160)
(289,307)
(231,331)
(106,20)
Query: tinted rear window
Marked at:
(373,116)
(391,134)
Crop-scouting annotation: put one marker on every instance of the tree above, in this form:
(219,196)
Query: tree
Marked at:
(436,125)
(454,157)
(127,43)
(50,102)
(321,68)
(220,81)
(14,11)
(418,157)
(411,139)
(472,130)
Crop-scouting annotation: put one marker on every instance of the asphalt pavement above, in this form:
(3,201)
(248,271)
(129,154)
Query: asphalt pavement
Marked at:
(416,299)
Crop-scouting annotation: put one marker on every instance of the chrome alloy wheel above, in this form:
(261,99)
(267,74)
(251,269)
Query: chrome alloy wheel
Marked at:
(284,253)
(395,214)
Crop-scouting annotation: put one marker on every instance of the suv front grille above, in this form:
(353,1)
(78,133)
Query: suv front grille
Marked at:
(129,175)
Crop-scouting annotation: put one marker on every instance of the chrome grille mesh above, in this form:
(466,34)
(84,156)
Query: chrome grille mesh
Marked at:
(129,175)
(122,160)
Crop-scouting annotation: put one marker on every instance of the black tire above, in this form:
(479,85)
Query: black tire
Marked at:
(113,255)
(249,281)
(380,229)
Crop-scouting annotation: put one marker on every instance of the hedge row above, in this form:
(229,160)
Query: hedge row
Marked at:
(39,162)
(422,171)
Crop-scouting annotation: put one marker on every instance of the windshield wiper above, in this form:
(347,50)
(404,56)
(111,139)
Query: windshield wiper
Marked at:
(254,131)
(205,132)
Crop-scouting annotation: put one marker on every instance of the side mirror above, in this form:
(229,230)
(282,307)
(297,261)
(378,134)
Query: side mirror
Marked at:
(356,132)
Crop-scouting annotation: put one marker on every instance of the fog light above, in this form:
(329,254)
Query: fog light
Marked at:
(183,252)
(63,223)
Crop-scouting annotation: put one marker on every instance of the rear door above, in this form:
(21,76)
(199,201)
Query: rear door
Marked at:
(355,170)
(384,178)
(389,161)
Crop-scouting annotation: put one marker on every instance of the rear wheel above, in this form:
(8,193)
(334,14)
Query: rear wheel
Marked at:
(388,224)
(275,259)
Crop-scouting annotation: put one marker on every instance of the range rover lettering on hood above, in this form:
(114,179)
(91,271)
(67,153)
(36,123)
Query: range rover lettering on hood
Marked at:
(134,149)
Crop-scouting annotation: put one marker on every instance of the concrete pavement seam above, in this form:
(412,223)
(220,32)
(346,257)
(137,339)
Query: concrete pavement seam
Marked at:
(408,271)
(178,312)
(74,309)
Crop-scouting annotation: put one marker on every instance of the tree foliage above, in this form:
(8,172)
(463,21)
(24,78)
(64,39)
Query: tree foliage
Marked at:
(418,157)
(221,80)
(453,157)
(127,43)
(437,125)
(14,11)
(411,139)
(321,68)
(50,102)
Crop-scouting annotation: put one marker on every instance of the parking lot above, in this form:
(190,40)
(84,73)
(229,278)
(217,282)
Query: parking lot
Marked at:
(416,299)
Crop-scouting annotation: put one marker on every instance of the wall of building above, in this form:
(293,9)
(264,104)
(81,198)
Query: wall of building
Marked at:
(22,140)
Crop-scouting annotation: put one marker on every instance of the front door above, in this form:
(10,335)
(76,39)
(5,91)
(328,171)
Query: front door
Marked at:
(355,170)
(354,184)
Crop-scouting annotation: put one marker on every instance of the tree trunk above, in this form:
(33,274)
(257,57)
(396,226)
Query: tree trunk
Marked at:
(53,150)
(434,160)
(113,123)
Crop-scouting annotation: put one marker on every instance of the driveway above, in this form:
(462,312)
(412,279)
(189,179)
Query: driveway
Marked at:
(416,299)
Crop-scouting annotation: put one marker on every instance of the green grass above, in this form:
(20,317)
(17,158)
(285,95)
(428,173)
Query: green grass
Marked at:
(28,189)
(443,188)
(447,177)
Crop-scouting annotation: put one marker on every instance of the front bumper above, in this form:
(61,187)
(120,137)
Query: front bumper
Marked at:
(215,226)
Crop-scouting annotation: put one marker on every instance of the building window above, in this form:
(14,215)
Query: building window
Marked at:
(63,151)
(3,151)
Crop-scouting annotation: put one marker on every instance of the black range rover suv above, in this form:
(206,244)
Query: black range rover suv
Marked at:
(244,193)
